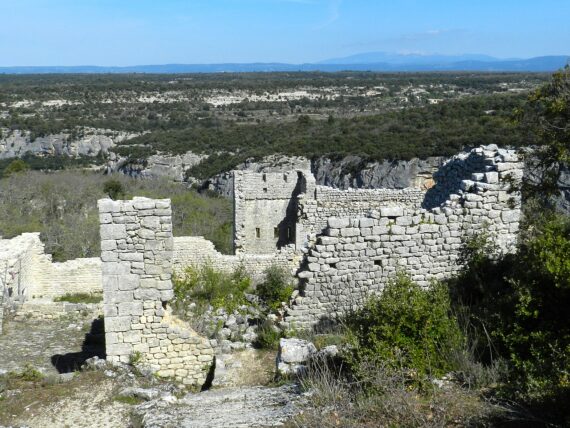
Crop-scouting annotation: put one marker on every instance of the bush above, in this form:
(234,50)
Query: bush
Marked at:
(276,287)
(519,303)
(15,167)
(79,298)
(268,336)
(205,286)
(113,188)
(406,327)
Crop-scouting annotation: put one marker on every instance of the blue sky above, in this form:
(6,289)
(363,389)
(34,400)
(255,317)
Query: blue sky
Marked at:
(131,32)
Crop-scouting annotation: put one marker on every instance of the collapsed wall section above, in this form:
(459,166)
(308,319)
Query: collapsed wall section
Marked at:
(27,272)
(197,251)
(357,256)
(137,252)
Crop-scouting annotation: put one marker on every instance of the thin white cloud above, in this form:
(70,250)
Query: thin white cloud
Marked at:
(333,14)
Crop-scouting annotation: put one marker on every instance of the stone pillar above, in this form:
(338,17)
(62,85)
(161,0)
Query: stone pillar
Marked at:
(136,254)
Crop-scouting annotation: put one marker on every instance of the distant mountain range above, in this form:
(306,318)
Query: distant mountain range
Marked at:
(371,61)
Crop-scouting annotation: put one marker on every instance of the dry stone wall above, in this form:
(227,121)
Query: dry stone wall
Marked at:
(29,273)
(137,253)
(357,256)
(197,251)
(316,208)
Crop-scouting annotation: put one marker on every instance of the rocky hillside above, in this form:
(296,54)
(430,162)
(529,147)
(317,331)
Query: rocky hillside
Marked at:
(83,142)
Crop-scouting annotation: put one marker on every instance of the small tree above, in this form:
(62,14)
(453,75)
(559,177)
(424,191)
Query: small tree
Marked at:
(15,167)
(113,188)
(546,117)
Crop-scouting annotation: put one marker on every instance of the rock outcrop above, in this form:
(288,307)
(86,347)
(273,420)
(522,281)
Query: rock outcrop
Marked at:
(85,142)
(172,167)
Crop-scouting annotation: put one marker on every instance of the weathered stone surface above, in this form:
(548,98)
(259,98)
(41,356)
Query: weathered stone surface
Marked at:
(229,408)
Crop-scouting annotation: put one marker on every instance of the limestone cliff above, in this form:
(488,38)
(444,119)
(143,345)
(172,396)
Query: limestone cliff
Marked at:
(84,142)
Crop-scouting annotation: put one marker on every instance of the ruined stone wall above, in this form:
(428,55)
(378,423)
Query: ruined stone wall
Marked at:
(316,208)
(265,210)
(197,251)
(137,253)
(357,256)
(30,273)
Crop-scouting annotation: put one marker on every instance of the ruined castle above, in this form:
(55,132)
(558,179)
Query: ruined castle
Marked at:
(340,245)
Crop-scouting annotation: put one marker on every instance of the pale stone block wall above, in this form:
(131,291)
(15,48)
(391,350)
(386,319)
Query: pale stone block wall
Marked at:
(137,253)
(197,251)
(265,207)
(29,273)
(357,256)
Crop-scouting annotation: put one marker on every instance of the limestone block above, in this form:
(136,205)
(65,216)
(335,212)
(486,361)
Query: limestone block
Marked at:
(391,211)
(113,231)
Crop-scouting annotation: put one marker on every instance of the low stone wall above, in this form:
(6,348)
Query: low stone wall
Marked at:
(137,253)
(356,257)
(197,251)
(29,273)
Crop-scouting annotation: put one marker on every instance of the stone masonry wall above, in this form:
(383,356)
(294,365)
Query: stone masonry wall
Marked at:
(137,253)
(265,210)
(197,251)
(316,208)
(356,256)
(30,273)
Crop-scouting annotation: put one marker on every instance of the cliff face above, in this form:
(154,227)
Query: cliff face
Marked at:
(89,142)
(172,167)
(352,171)
(348,172)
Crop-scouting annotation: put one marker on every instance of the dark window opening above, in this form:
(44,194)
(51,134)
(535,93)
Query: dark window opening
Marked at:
(257,232)
(285,178)
(333,265)
(276,232)
(378,262)
(265,189)
(164,305)
(393,218)
(264,177)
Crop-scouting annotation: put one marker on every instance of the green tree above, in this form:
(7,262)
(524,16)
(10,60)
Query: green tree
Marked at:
(15,167)
(546,117)
(113,188)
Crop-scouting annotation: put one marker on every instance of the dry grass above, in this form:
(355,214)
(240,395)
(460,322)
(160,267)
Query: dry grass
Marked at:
(24,396)
(388,401)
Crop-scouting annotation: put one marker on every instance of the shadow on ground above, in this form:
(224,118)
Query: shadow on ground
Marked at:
(93,346)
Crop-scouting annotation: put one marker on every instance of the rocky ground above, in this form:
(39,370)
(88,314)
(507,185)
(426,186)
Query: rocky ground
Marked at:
(41,386)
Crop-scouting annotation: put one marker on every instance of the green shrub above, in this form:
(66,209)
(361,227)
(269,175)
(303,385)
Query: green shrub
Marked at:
(406,327)
(276,287)
(519,303)
(113,188)
(206,286)
(15,167)
(268,336)
(30,374)
(79,298)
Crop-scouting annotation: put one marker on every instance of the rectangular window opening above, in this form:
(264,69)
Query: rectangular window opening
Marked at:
(257,232)
(265,190)
(378,262)
(276,232)
(285,178)
(264,177)
(333,265)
